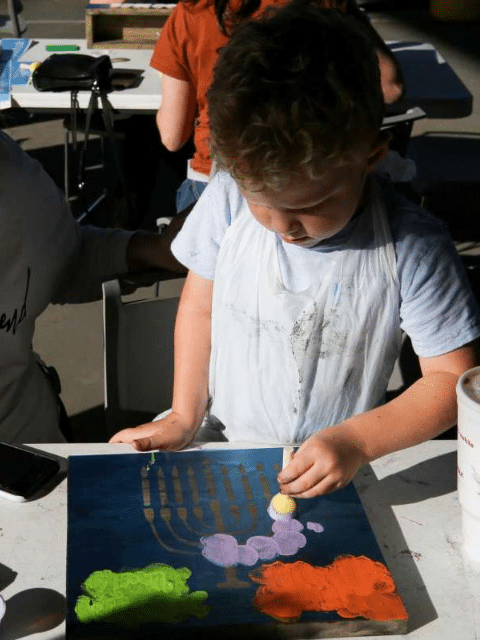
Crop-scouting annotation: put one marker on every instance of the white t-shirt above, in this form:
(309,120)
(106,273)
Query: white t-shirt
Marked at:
(45,257)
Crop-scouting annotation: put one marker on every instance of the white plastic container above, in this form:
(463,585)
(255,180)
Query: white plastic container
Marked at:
(468,398)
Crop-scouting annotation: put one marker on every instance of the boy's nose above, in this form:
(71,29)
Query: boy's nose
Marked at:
(283,224)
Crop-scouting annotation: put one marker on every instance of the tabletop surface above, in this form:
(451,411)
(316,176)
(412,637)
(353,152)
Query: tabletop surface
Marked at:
(410,499)
(143,98)
(430,81)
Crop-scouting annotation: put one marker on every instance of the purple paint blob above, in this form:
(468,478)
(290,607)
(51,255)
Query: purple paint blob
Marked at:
(287,525)
(224,551)
(221,549)
(247,555)
(266,548)
(289,542)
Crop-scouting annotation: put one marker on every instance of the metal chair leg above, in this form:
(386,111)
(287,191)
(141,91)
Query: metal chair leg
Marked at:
(14,18)
(66,175)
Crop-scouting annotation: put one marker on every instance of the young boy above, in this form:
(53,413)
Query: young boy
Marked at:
(304,268)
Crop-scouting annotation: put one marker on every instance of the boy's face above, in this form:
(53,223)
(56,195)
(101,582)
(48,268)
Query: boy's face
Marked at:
(309,211)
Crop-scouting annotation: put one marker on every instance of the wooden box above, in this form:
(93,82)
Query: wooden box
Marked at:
(125,27)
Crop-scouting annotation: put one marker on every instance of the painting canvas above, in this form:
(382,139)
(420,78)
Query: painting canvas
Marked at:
(173,544)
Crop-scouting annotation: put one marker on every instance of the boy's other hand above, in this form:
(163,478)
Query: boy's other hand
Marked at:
(324,463)
(169,434)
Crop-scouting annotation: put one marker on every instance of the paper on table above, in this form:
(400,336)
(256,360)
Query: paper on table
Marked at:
(5,83)
(11,72)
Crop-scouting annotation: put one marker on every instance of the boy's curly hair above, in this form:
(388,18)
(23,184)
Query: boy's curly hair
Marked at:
(296,92)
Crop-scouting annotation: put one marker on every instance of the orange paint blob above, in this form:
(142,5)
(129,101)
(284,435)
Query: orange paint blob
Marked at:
(352,585)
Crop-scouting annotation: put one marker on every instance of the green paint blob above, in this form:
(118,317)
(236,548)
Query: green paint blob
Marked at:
(157,593)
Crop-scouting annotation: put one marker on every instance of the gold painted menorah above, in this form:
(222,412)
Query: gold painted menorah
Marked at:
(193,519)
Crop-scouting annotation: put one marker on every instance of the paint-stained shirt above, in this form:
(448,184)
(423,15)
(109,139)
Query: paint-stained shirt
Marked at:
(438,310)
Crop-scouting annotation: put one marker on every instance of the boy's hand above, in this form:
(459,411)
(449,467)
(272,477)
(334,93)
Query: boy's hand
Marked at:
(169,434)
(325,462)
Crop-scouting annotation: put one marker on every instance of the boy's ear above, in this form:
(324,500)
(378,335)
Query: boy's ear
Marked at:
(379,149)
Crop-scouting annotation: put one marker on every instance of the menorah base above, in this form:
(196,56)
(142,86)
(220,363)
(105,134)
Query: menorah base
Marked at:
(232,582)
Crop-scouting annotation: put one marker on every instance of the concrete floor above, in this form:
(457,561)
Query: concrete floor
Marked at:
(70,337)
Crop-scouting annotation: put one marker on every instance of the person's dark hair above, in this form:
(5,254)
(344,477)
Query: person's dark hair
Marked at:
(296,92)
(226,16)
(244,9)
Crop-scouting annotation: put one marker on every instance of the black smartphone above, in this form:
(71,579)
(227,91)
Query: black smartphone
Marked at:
(23,472)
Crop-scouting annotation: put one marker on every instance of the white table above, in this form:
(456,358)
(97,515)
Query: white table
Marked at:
(410,498)
(430,82)
(143,98)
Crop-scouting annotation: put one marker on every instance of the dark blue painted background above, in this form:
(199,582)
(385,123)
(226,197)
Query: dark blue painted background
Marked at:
(107,528)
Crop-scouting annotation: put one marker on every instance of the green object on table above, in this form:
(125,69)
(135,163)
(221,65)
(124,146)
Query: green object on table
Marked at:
(62,47)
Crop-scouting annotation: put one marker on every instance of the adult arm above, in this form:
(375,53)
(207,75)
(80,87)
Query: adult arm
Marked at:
(330,458)
(390,77)
(192,344)
(176,116)
(150,250)
(96,254)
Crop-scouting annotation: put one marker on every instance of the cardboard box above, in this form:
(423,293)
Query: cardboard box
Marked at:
(125,27)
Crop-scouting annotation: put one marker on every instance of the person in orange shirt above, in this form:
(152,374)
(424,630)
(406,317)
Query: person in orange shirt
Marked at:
(186,53)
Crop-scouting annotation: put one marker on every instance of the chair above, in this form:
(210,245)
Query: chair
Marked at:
(16,24)
(400,126)
(397,163)
(103,182)
(70,131)
(138,353)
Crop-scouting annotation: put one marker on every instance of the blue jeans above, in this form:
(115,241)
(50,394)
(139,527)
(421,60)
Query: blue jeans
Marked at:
(188,193)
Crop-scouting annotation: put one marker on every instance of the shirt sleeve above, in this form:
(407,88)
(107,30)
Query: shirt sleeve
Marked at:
(438,309)
(97,255)
(169,52)
(197,244)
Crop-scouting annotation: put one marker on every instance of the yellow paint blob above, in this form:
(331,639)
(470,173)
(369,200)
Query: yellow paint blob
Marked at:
(283,504)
